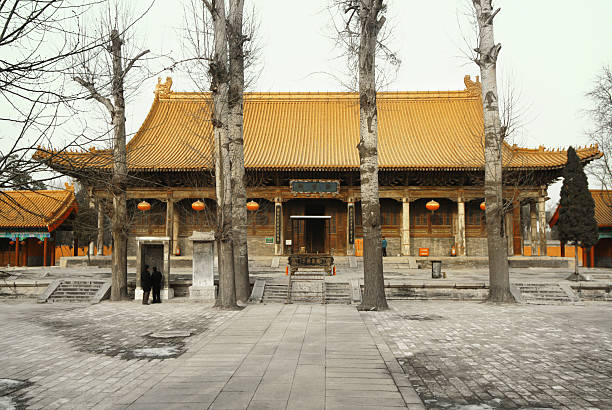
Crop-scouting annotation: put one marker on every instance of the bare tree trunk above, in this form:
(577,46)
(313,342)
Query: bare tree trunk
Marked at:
(220,88)
(236,89)
(374,290)
(499,280)
(576,261)
(119,224)
(116,109)
(100,239)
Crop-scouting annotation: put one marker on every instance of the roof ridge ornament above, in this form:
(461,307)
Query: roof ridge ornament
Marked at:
(163,89)
(474,88)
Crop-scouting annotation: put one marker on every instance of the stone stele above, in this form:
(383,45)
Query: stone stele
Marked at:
(203,286)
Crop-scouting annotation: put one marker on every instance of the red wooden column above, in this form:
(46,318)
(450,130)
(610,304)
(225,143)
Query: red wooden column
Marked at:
(45,251)
(592,256)
(17,251)
(53,253)
(563,249)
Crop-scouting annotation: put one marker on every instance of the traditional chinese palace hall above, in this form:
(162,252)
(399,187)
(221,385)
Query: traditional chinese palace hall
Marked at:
(301,158)
(29,221)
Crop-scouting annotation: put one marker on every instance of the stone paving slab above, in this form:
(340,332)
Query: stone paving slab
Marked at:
(465,354)
(265,356)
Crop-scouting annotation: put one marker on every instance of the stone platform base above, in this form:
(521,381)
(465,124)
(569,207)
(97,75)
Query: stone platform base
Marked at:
(202,293)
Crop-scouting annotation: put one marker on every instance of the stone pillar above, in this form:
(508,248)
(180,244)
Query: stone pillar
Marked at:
(460,235)
(203,284)
(533,232)
(350,227)
(100,240)
(405,229)
(279,236)
(517,240)
(509,234)
(542,225)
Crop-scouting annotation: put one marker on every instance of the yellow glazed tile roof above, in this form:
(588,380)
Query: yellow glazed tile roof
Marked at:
(45,209)
(603,207)
(320,131)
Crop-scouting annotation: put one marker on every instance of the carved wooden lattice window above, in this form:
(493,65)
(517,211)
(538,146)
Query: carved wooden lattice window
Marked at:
(475,216)
(441,217)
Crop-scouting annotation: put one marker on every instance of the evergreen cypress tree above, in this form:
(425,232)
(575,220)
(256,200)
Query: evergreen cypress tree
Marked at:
(577,224)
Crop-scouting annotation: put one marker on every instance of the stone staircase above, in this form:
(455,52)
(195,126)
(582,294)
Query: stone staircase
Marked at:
(307,288)
(338,292)
(76,290)
(275,292)
(546,293)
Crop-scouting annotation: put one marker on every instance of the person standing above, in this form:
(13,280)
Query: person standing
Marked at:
(384,246)
(145,283)
(156,282)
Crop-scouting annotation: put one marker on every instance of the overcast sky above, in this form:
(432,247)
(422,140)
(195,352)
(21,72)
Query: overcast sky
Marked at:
(551,52)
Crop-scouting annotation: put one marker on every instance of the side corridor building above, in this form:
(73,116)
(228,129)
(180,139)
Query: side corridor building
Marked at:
(301,159)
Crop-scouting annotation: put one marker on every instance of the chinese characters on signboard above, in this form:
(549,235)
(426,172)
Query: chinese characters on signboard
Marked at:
(315,187)
(277,223)
(351,224)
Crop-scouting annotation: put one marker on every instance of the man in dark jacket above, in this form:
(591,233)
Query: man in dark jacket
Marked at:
(156,281)
(145,283)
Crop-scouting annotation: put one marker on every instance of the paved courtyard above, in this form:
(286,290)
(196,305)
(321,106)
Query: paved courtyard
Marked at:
(264,357)
(457,355)
(465,353)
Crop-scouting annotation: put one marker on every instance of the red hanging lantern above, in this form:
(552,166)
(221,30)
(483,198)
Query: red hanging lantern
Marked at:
(12,243)
(483,205)
(198,205)
(252,206)
(144,206)
(432,206)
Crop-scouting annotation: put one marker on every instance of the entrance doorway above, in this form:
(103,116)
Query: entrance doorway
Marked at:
(314,229)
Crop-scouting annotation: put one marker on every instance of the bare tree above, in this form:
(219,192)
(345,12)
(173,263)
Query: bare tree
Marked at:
(236,40)
(103,76)
(601,132)
(36,50)
(219,72)
(358,33)
(207,62)
(487,52)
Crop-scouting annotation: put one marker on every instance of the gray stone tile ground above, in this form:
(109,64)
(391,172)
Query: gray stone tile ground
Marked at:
(458,354)
(266,356)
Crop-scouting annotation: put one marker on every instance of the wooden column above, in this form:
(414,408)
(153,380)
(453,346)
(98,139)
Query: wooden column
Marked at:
(542,225)
(562,244)
(100,239)
(517,240)
(175,231)
(533,231)
(405,229)
(75,246)
(53,252)
(350,227)
(278,227)
(592,257)
(45,251)
(170,223)
(17,251)
(460,235)
(92,206)
(509,232)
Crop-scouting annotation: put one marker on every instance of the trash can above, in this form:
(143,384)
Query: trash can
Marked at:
(436,269)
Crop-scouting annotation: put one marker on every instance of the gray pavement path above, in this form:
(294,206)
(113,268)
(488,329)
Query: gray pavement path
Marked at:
(264,357)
